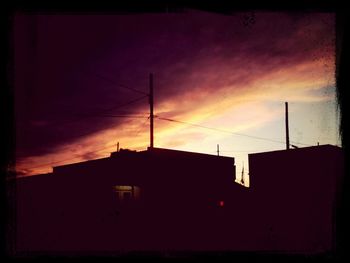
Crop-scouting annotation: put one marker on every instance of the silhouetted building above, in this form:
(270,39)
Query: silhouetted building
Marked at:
(163,199)
(154,199)
(295,194)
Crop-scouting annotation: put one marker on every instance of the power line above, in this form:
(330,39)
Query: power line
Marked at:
(141,126)
(77,156)
(121,116)
(80,117)
(220,130)
(124,104)
(171,120)
(131,113)
(115,83)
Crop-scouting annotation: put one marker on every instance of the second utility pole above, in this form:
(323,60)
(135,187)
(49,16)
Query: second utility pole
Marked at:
(287,127)
(151,108)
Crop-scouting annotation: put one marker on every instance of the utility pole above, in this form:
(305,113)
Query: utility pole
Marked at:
(118,147)
(217,149)
(287,128)
(151,108)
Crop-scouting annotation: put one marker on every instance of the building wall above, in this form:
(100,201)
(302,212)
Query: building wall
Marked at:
(76,207)
(295,193)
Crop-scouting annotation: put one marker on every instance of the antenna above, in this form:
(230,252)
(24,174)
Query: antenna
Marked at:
(242,178)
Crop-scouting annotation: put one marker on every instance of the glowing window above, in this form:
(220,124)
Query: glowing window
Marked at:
(127,192)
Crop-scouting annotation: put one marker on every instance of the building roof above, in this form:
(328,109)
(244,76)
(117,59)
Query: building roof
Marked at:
(325,147)
(159,151)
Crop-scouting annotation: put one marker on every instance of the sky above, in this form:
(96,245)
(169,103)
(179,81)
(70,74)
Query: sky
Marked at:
(224,79)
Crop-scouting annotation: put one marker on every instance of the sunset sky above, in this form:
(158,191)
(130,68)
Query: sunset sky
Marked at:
(232,73)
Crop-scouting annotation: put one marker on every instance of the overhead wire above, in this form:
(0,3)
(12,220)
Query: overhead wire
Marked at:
(158,117)
(80,117)
(177,121)
(121,116)
(80,155)
(90,115)
(124,104)
(221,130)
(114,82)
(215,129)
(141,126)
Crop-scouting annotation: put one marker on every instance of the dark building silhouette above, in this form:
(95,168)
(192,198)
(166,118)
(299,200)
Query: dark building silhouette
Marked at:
(295,194)
(163,199)
(154,199)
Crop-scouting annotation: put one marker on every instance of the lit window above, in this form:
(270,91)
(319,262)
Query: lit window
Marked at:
(127,192)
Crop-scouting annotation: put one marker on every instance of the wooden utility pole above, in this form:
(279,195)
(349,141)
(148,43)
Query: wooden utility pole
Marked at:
(151,109)
(217,149)
(287,127)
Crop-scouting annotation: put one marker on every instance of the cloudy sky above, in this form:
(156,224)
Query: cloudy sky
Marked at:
(229,73)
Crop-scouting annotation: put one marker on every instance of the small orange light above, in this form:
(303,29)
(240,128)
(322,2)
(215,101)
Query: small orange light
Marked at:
(221,203)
